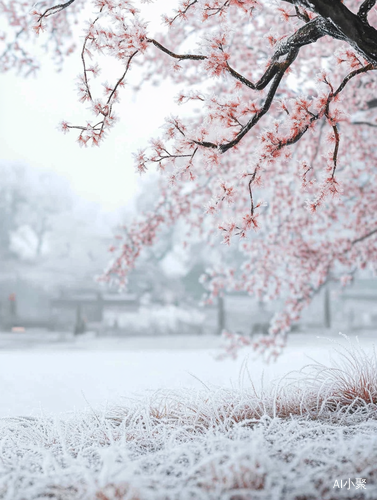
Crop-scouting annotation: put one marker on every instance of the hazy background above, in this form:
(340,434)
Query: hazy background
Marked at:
(64,337)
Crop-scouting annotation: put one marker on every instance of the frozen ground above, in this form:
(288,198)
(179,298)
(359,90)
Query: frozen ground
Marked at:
(309,438)
(65,374)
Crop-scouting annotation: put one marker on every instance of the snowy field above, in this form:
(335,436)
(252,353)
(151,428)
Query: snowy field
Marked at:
(162,419)
(67,373)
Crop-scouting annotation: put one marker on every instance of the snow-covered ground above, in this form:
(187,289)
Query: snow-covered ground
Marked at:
(309,438)
(65,373)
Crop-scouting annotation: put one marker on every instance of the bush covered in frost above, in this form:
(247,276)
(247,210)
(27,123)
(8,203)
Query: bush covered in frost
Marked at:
(168,319)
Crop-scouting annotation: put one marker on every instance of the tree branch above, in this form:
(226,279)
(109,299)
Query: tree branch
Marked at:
(176,56)
(362,238)
(365,123)
(365,7)
(307,34)
(352,28)
(278,73)
(55,9)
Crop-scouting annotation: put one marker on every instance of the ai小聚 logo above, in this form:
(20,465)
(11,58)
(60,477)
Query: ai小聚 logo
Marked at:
(359,484)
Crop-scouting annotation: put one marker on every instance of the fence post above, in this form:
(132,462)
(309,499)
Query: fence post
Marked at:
(327,308)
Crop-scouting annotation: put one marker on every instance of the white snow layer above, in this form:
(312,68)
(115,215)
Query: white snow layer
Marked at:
(295,441)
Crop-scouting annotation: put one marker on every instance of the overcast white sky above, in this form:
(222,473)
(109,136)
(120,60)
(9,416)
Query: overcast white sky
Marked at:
(32,108)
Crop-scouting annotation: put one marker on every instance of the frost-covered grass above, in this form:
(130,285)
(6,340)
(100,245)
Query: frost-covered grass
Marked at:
(289,441)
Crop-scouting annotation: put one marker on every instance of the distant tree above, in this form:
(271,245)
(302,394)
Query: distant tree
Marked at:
(286,103)
(12,199)
(77,246)
(47,234)
(29,201)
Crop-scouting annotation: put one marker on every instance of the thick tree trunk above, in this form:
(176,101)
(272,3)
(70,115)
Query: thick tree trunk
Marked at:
(345,25)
